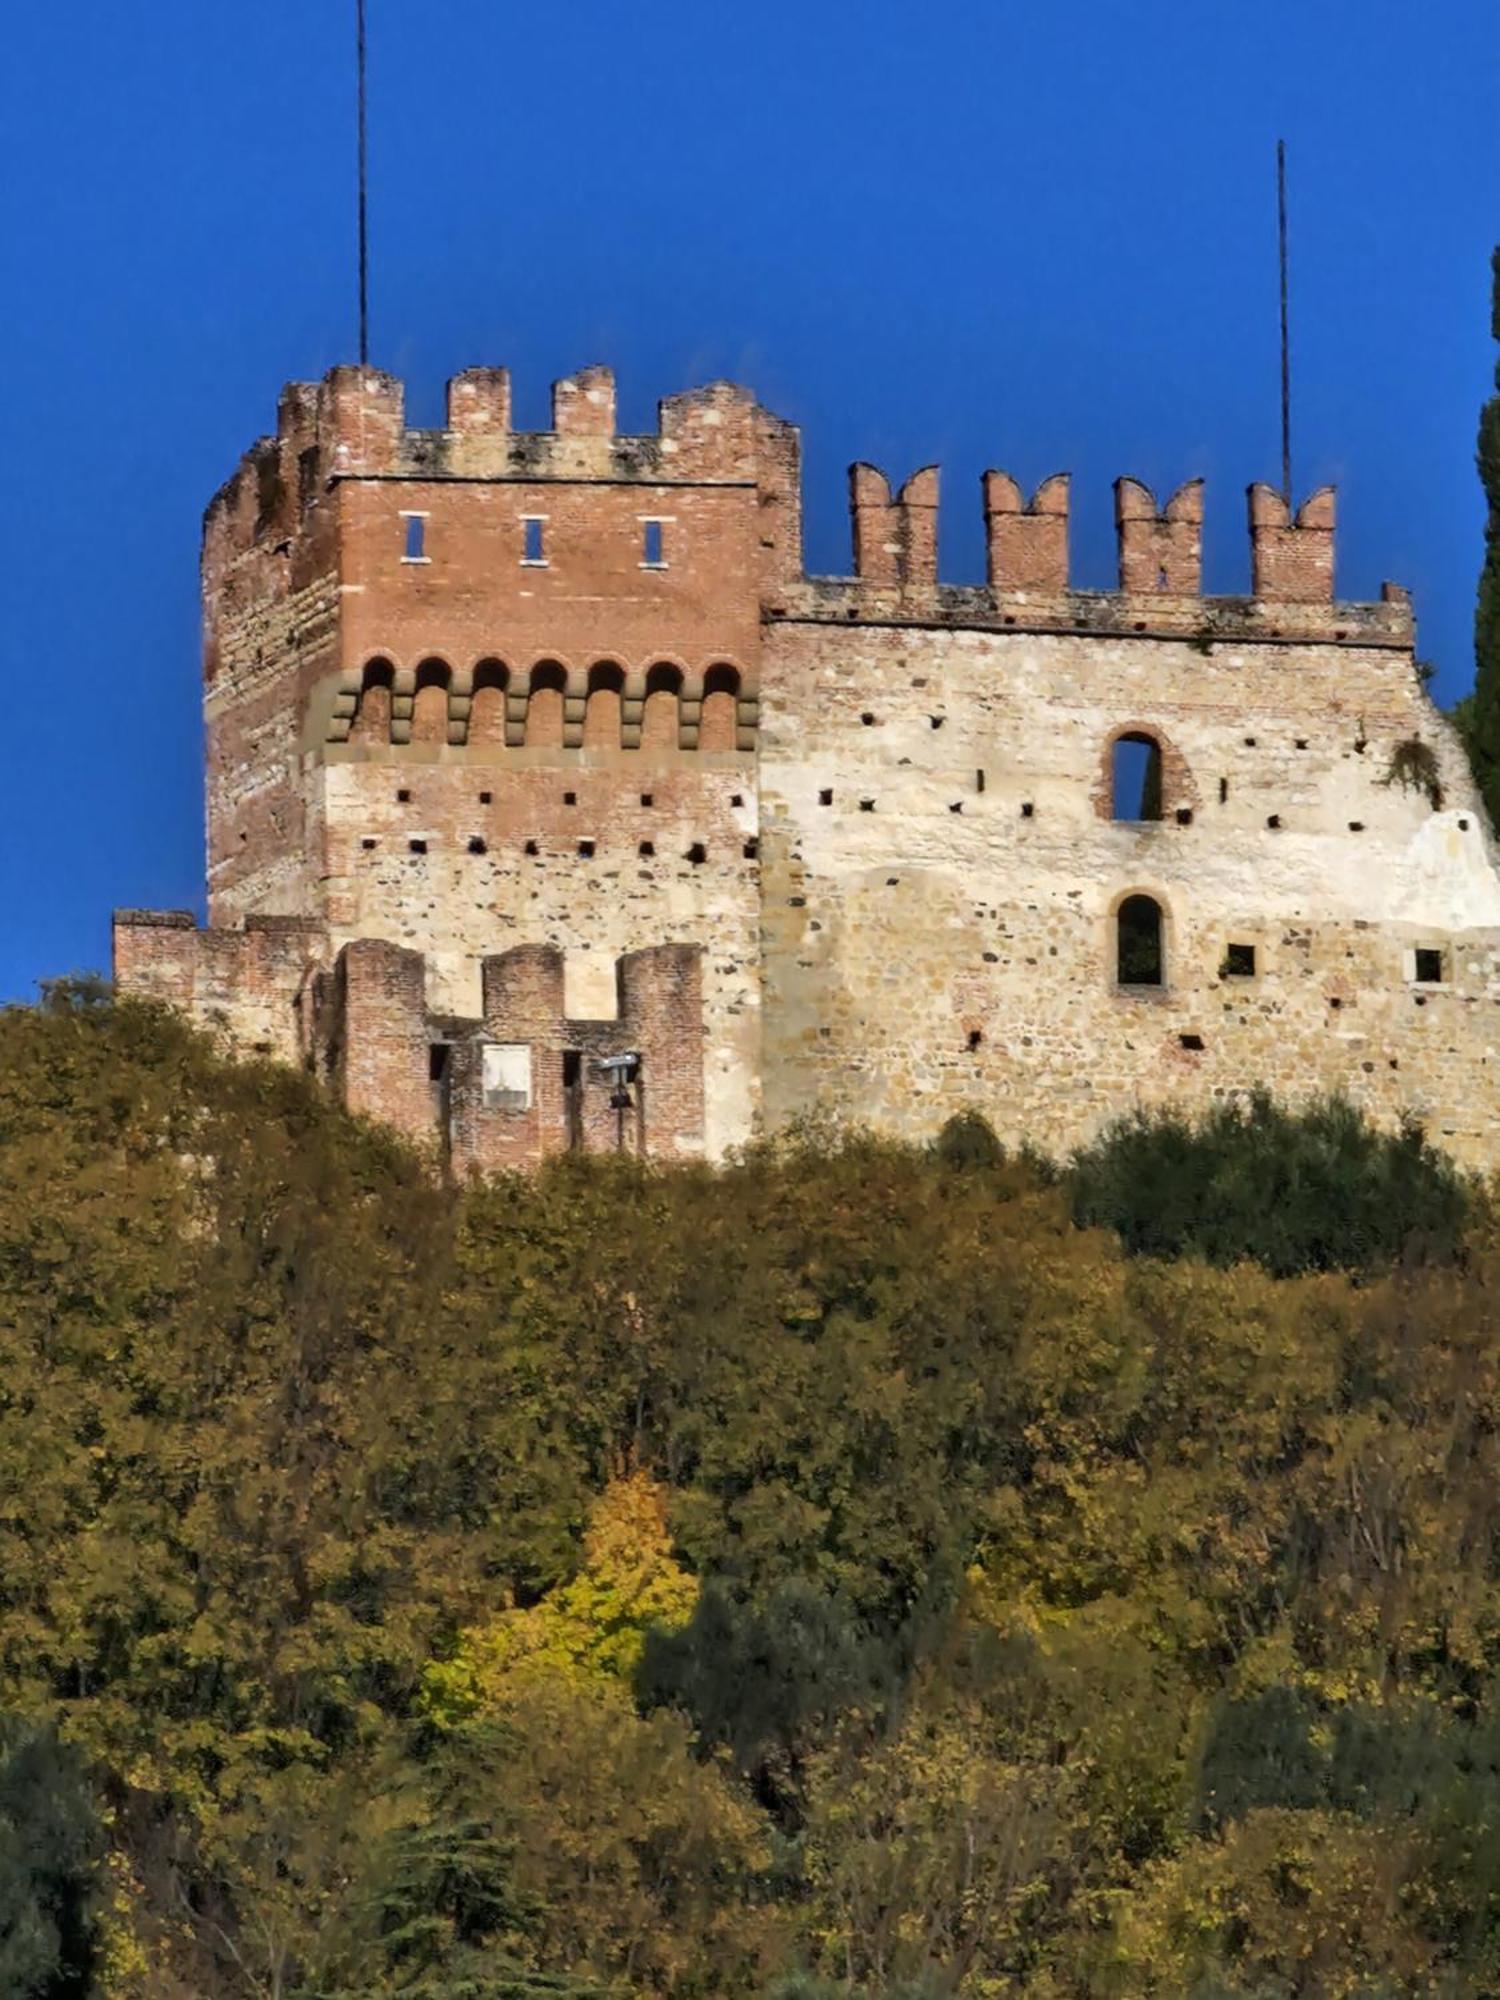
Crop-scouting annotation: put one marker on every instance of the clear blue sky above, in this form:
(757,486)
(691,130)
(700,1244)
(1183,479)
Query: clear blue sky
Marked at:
(1036,236)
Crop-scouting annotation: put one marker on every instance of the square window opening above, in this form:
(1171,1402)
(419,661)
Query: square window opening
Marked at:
(506,1076)
(1239,961)
(1431,965)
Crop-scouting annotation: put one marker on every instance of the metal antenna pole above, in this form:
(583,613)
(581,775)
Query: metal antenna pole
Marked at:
(364,220)
(1286,346)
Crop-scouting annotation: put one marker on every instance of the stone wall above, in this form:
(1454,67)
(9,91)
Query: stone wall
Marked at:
(942,876)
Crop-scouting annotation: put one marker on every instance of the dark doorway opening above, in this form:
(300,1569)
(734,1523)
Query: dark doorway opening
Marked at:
(572,1080)
(439,1074)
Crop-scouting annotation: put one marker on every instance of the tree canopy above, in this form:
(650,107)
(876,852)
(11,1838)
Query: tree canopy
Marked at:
(848,1573)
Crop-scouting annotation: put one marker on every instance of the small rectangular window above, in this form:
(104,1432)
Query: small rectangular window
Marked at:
(534,548)
(416,539)
(1431,965)
(653,545)
(507,1076)
(1239,961)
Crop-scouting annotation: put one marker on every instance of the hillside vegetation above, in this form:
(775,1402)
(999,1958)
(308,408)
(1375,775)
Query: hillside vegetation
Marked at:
(844,1574)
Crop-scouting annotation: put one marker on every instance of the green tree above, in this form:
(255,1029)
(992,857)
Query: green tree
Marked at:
(50,1850)
(1480,719)
(1313,1189)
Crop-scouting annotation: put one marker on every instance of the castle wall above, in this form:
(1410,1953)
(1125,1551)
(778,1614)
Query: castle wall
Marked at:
(253,982)
(543,741)
(458,906)
(939,934)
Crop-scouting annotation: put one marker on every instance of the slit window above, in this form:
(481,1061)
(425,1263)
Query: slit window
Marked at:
(1430,965)
(415,548)
(1135,778)
(533,541)
(1138,942)
(653,544)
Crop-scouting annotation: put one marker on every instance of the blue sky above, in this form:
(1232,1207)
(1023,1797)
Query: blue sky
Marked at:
(1036,236)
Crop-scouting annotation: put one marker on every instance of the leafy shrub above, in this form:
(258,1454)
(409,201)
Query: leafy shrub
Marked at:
(1315,1189)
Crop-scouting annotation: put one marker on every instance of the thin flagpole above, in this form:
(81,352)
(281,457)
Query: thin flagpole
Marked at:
(1286,345)
(364,203)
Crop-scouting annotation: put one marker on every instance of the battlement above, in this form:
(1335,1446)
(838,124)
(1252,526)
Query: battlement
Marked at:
(1160,556)
(520,1081)
(352,426)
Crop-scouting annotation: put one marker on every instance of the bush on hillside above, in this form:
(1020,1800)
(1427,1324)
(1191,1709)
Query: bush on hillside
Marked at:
(1312,1189)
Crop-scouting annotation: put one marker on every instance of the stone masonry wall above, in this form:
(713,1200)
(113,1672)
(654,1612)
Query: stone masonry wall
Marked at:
(941,876)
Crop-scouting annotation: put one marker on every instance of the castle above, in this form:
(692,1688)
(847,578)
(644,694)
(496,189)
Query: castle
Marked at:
(550,804)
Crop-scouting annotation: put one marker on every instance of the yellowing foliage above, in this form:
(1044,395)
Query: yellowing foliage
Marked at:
(588,1632)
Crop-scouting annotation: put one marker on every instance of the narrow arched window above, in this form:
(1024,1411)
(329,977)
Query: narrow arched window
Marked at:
(1139,957)
(1135,777)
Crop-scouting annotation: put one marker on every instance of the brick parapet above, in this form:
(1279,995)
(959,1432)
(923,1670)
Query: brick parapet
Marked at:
(250,983)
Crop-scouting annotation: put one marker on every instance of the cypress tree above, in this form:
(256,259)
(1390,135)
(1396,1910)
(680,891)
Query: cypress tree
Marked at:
(1481,719)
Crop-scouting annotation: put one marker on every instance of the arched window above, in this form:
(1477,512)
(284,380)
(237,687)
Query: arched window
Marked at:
(544,709)
(372,718)
(601,718)
(1135,777)
(1139,956)
(487,709)
(429,710)
(716,726)
(659,714)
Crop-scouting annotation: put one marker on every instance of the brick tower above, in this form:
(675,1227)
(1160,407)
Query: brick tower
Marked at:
(481,715)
